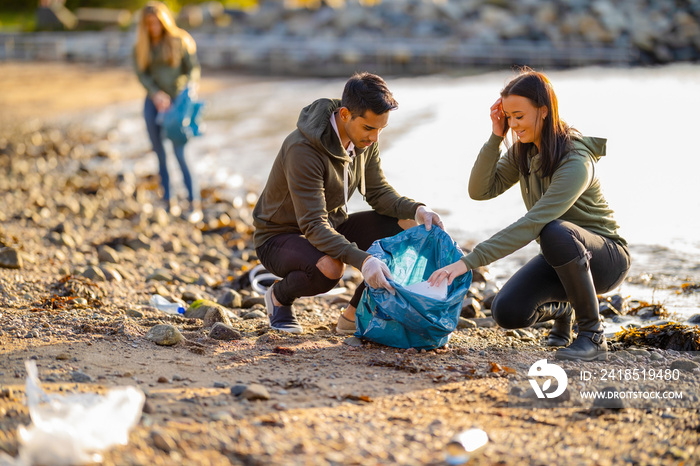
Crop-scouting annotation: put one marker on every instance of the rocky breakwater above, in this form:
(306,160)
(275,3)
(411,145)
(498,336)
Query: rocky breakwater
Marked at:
(336,38)
(420,36)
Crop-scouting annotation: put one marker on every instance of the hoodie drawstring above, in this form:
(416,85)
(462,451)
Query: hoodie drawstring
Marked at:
(346,182)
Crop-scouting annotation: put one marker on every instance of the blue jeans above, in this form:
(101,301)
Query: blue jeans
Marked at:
(154,133)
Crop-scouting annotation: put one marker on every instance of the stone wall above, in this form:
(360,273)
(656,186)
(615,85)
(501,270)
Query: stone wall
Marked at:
(414,36)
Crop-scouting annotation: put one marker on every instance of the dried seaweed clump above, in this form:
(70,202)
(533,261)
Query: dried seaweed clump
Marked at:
(671,335)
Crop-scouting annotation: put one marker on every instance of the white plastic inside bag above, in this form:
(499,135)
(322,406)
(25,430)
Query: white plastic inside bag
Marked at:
(75,429)
(426,289)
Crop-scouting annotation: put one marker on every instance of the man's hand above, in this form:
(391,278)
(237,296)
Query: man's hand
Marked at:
(375,273)
(427,217)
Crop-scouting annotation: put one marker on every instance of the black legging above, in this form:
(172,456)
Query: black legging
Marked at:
(537,283)
(293,258)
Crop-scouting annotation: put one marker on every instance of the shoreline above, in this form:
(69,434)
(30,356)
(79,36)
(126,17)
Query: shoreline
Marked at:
(94,247)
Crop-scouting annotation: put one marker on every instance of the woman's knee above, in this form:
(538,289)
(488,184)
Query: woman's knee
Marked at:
(559,243)
(508,314)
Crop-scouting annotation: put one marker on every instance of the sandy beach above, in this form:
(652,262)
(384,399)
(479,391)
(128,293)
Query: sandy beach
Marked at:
(83,250)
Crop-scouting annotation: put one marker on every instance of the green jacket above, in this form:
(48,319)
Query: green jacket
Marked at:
(573,194)
(159,75)
(305,194)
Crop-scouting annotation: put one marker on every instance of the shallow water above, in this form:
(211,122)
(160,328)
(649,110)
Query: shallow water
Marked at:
(649,174)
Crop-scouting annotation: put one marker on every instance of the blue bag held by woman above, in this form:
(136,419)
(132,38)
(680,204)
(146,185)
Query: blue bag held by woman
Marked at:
(182,120)
(410,318)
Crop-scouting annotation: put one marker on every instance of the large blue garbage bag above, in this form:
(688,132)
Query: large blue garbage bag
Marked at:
(408,319)
(182,121)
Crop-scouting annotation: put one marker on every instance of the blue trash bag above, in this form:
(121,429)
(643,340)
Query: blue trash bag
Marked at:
(182,120)
(408,319)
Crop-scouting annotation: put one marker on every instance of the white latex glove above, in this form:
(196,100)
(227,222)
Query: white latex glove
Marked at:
(427,217)
(375,273)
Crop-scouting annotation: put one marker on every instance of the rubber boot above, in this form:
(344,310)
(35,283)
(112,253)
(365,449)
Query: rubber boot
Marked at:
(563,316)
(590,344)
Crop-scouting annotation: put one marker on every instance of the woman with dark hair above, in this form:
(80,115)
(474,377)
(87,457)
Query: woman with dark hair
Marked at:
(581,251)
(166,63)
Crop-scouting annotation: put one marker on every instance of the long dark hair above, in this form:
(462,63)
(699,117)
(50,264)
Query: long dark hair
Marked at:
(556,134)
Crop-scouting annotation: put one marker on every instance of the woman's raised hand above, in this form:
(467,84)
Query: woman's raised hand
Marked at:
(449,272)
(498,119)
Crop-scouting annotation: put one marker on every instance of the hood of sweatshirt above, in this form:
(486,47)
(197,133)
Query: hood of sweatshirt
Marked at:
(315,124)
(594,146)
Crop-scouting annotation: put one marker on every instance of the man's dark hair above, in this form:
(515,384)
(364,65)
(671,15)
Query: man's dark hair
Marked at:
(367,91)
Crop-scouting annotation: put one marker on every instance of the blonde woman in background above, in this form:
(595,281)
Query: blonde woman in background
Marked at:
(165,61)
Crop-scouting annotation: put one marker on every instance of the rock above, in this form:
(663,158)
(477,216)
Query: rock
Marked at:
(251,301)
(465,323)
(255,391)
(685,365)
(610,401)
(485,322)
(163,441)
(164,335)
(134,313)
(471,308)
(111,273)
(192,293)
(10,258)
(231,299)
(199,309)
(107,254)
(95,274)
(352,341)
(174,245)
(694,319)
(140,242)
(161,275)
(214,257)
(80,377)
(221,331)
(254,314)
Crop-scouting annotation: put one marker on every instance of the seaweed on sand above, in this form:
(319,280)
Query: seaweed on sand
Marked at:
(671,335)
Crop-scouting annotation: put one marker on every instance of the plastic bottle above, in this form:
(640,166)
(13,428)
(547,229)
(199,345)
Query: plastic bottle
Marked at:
(463,446)
(166,306)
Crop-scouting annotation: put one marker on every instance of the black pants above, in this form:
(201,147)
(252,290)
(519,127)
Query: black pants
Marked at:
(537,283)
(293,258)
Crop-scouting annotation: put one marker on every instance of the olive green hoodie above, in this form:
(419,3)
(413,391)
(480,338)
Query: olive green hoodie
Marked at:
(305,192)
(161,76)
(573,194)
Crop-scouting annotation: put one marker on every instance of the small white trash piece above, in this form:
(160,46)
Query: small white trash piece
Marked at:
(162,304)
(464,445)
(76,428)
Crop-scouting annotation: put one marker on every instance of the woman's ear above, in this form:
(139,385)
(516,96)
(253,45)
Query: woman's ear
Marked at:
(544,111)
